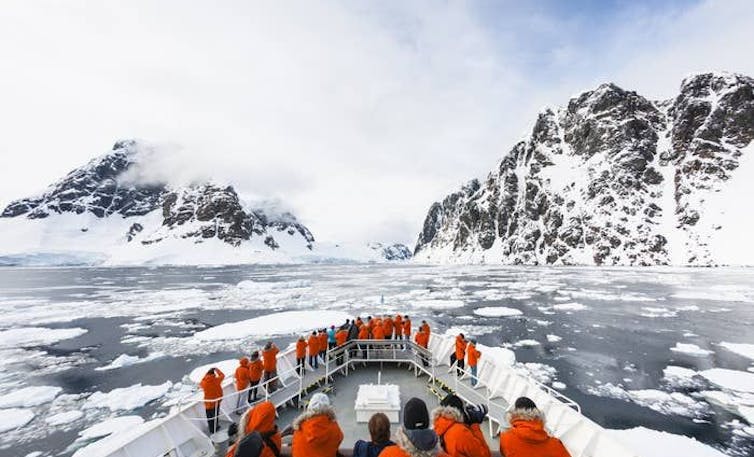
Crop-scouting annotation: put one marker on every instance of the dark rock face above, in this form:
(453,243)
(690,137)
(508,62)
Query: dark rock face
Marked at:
(392,252)
(104,188)
(602,181)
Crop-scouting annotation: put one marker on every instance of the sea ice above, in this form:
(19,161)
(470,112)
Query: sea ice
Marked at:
(282,323)
(690,349)
(497,311)
(127,398)
(29,396)
(228,367)
(64,418)
(651,311)
(553,338)
(558,385)
(526,343)
(652,443)
(740,381)
(36,336)
(110,426)
(569,306)
(438,304)
(125,360)
(681,377)
(742,349)
(14,418)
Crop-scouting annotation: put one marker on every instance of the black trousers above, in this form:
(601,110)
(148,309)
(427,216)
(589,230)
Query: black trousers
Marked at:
(253,391)
(460,365)
(300,364)
(213,417)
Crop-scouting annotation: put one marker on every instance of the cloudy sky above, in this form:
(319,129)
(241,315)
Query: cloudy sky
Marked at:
(357,115)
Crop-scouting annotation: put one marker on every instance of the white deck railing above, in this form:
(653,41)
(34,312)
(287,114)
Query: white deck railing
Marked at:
(183,433)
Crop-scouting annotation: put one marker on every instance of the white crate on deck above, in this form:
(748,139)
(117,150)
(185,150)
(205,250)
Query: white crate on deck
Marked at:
(378,398)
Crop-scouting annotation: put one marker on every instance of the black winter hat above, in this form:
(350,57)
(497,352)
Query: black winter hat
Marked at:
(415,414)
(524,403)
(453,401)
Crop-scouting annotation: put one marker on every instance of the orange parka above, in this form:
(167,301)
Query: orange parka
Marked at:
(211,384)
(388,326)
(398,321)
(378,333)
(316,434)
(422,339)
(364,332)
(460,348)
(269,358)
(300,348)
(260,419)
(472,355)
(242,374)
(322,341)
(313,345)
(528,437)
(407,327)
(425,328)
(341,336)
(458,438)
(255,370)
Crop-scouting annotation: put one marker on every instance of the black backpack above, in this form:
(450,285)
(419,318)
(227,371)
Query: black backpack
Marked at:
(252,445)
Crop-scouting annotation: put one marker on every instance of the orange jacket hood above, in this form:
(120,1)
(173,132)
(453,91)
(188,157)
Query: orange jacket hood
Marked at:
(316,433)
(261,418)
(532,431)
(244,361)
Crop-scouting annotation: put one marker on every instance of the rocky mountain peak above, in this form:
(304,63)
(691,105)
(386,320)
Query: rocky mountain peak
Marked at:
(606,180)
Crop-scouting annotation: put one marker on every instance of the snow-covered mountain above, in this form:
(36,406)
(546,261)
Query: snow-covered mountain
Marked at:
(107,212)
(614,179)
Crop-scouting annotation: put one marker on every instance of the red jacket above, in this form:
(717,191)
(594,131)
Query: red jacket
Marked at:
(259,419)
(472,355)
(316,434)
(255,370)
(212,387)
(460,440)
(422,339)
(364,332)
(460,348)
(242,374)
(313,345)
(269,358)
(407,327)
(526,438)
(300,349)
(341,336)
(322,341)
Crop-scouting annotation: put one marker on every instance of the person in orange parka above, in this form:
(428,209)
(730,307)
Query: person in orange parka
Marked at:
(211,384)
(460,353)
(458,428)
(425,328)
(422,339)
(406,327)
(527,435)
(414,438)
(388,326)
(316,432)
(260,419)
(300,354)
(255,375)
(322,345)
(472,357)
(378,333)
(241,376)
(398,322)
(313,344)
(270,364)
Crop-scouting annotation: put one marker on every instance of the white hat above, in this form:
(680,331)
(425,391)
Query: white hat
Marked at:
(319,400)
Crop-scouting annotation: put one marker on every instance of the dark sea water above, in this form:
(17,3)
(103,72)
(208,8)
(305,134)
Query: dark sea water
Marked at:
(611,333)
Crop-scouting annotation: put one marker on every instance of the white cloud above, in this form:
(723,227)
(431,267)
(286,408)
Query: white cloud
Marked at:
(359,116)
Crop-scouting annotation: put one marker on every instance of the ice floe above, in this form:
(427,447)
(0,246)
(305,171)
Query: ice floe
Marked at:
(437,304)
(65,417)
(36,336)
(680,377)
(526,343)
(127,398)
(125,360)
(691,349)
(110,426)
(29,396)
(652,443)
(541,372)
(553,338)
(558,385)
(282,323)
(497,311)
(742,349)
(570,306)
(740,381)
(14,418)
(652,311)
(675,403)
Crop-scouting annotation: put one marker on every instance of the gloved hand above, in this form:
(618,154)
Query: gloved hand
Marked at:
(476,414)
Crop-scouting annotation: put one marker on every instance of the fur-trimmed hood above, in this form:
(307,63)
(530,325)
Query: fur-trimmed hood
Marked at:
(425,438)
(525,414)
(321,411)
(444,417)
